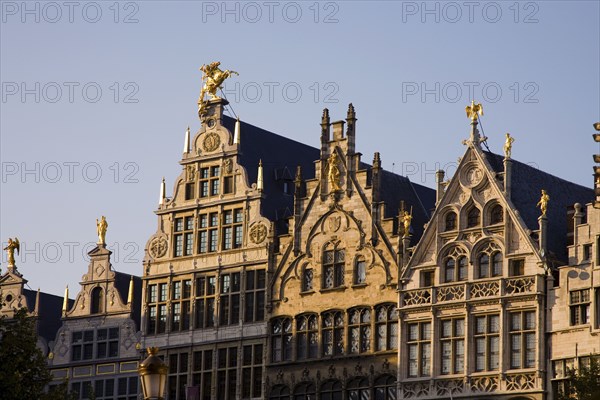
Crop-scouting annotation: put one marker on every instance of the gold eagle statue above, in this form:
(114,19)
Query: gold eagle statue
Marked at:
(474,110)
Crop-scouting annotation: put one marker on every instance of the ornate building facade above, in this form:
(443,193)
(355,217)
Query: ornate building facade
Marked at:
(97,348)
(475,292)
(333,321)
(209,263)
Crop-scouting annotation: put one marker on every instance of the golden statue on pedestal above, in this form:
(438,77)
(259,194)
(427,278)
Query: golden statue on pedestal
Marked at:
(543,203)
(13,244)
(333,173)
(474,110)
(101,227)
(508,145)
(406,221)
(213,78)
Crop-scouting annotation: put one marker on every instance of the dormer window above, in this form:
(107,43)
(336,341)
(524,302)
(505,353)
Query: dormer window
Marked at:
(450,221)
(473,217)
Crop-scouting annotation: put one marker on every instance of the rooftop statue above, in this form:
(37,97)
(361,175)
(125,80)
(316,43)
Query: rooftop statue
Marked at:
(213,78)
(474,110)
(13,244)
(101,227)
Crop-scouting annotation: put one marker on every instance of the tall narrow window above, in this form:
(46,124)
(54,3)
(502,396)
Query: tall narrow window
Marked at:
(281,339)
(227,382)
(178,237)
(496,214)
(419,349)
(232,228)
(184,236)
(473,217)
(205,301)
(157,308)
(215,173)
(307,333)
(360,271)
(229,300)
(386,326)
(208,234)
(97,303)
(252,360)
(210,181)
(580,306)
(202,368)
(452,345)
(107,343)
(180,305)
(307,279)
(385,388)
(333,268)
(487,343)
(359,330)
(496,264)
(522,339)
(332,332)
(450,221)
(455,265)
(177,380)
(255,296)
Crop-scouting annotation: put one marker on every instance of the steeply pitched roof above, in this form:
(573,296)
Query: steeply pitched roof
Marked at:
(527,183)
(277,153)
(50,312)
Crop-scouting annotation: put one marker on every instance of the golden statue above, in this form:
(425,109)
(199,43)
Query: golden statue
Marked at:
(543,203)
(406,221)
(508,145)
(13,244)
(333,173)
(474,110)
(101,227)
(213,79)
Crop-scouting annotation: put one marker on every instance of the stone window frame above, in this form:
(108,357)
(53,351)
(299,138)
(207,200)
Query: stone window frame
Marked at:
(522,343)
(455,339)
(489,336)
(419,337)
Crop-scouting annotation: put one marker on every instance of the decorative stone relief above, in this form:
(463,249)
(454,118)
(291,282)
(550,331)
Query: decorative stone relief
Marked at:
(211,142)
(258,233)
(158,247)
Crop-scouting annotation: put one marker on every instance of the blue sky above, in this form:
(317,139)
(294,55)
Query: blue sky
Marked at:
(96,97)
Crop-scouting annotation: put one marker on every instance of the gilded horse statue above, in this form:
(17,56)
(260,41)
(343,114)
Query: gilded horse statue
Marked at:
(213,78)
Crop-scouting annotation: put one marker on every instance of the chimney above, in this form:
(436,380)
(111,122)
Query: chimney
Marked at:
(439,180)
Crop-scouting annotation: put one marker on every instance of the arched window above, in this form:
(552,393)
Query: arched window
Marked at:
(307,279)
(305,391)
(473,217)
(359,330)
(360,271)
(385,388)
(307,333)
(497,264)
(331,390)
(450,221)
(386,325)
(281,339)
(484,266)
(489,261)
(358,389)
(333,333)
(496,214)
(455,266)
(97,303)
(333,268)
(280,392)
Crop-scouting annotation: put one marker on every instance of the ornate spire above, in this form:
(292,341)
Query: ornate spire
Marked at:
(130,293)
(236,134)
(325,117)
(377,160)
(161,198)
(351,114)
(259,179)
(186,141)
(65,301)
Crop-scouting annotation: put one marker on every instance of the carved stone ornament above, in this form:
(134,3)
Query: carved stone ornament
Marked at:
(191,172)
(158,247)
(334,222)
(258,233)
(473,176)
(211,142)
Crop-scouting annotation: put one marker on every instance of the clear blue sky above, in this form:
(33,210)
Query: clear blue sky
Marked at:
(408,67)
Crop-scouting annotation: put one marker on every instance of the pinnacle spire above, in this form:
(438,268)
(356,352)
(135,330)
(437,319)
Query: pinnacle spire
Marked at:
(259,180)
(236,134)
(186,141)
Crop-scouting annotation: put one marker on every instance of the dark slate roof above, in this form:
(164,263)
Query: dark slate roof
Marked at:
(280,157)
(122,286)
(527,184)
(420,198)
(50,312)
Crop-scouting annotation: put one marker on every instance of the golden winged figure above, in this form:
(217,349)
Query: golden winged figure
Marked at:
(13,244)
(474,110)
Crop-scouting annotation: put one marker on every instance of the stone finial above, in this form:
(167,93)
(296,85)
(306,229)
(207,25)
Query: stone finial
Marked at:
(259,180)
(351,114)
(377,160)
(130,292)
(161,197)
(66,301)
(236,131)
(325,117)
(186,141)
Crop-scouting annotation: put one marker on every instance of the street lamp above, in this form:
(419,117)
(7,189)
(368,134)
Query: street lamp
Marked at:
(153,374)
